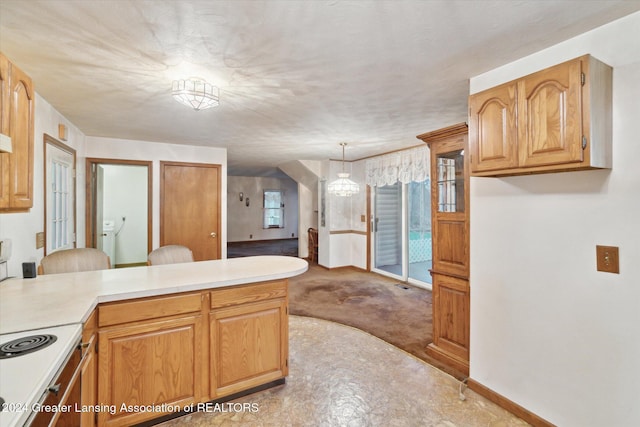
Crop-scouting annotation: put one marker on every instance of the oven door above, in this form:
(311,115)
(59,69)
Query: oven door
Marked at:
(60,403)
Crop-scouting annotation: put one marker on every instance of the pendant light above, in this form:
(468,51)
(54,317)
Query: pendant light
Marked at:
(343,186)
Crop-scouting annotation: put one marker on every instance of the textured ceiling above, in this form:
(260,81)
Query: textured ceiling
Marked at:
(296,78)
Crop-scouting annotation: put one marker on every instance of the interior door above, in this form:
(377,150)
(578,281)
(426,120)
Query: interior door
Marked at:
(60,191)
(190,207)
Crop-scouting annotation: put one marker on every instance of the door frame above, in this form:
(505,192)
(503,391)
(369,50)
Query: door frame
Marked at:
(404,235)
(90,200)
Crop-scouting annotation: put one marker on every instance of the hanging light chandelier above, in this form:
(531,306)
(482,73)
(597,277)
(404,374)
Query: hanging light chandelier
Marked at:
(343,186)
(195,93)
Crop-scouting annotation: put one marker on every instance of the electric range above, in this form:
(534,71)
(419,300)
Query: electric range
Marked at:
(25,377)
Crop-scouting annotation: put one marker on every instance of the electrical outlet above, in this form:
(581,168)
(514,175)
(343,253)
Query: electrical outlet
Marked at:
(607,259)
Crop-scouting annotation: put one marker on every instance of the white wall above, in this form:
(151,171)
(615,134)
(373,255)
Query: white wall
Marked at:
(548,331)
(21,228)
(245,222)
(111,148)
(125,195)
(341,242)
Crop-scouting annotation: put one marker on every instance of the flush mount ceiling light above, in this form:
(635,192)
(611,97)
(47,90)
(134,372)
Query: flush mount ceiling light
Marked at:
(195,93)
(343,186)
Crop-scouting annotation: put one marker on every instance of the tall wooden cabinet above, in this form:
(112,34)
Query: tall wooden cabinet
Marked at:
(450,240)
(557,119)
(17,109)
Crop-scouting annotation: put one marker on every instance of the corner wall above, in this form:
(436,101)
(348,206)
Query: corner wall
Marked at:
(548,331)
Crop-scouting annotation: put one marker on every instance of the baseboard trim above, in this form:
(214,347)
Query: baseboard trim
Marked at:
(455,362)
(262,241)
(133,264)
(507,404)
(342,267)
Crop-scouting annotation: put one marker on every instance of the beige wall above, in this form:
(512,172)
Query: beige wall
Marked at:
(245,222)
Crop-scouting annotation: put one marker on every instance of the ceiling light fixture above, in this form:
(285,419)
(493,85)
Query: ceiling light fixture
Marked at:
(343,186)
(195,93)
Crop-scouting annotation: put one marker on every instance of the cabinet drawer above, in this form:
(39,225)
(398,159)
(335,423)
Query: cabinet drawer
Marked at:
(248,293)
(147,308)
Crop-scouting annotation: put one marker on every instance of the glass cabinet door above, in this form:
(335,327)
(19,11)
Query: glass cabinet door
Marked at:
(450,181)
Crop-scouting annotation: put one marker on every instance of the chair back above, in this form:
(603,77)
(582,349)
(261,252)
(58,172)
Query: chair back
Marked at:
(170,254)
(313,244)
(74,260)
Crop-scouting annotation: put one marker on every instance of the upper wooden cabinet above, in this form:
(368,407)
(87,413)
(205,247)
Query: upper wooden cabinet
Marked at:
(557,119)
(17,107)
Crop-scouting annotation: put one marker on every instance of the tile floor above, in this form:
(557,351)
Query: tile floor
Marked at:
(341,376)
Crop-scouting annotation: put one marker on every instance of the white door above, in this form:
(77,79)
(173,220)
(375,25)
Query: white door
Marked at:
(59,196)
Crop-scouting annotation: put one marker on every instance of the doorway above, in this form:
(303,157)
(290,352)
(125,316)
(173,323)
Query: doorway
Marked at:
(118,206)
(401,232)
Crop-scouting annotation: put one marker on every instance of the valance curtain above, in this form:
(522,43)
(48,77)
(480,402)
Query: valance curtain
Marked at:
(404,166)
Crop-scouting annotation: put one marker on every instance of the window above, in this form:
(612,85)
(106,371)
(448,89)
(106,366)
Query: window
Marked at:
(273,209)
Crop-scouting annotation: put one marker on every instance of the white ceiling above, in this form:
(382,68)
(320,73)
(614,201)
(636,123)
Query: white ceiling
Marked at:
(296,78)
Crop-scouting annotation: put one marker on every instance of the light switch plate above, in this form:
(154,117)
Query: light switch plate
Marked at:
(40,240)
(607,259)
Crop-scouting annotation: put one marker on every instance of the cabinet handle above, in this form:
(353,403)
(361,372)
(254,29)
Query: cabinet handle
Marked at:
(55,389)
(213,234)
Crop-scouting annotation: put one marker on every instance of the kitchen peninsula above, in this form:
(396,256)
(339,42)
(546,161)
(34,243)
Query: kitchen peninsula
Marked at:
(167,335)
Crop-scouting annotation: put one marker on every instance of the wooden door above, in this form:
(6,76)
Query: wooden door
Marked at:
(550,116)
(190,208)
(249,346)
(152,363)
(492,129)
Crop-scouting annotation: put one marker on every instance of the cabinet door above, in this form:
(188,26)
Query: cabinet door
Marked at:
(21,121)
(451,315)
(550,116)
(152,363)
(249,346)
(492,129)
(450,212)
(4,128)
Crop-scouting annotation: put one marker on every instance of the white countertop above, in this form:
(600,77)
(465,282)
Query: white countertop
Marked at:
(62,299)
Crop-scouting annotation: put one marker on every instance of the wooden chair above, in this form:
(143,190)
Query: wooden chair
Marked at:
(74,260)
(170,254)
(313,244)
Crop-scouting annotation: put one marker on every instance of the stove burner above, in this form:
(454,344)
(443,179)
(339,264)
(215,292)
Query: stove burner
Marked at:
(25,345)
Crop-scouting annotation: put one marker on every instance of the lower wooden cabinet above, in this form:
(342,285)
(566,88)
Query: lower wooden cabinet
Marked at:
(451,304)
(145,366)
(249,346)
(157,355)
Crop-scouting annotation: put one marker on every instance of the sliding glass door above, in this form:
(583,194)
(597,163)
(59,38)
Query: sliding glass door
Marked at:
(401,231)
